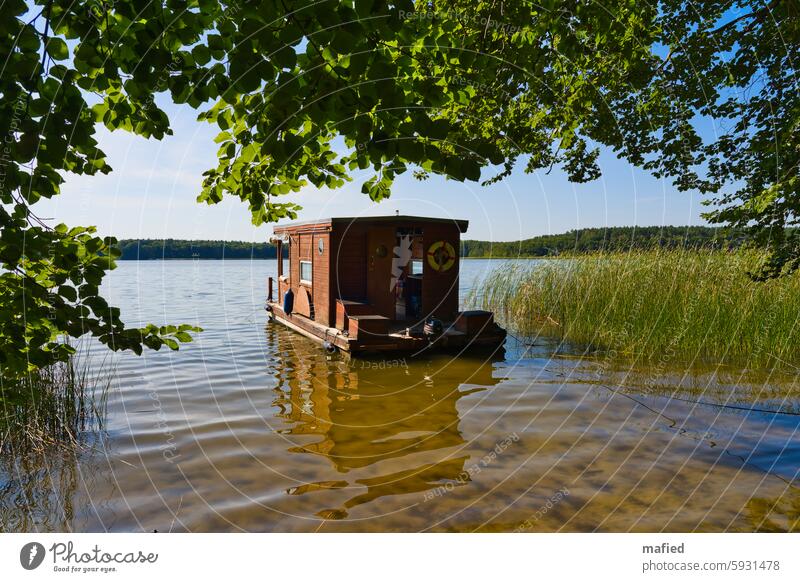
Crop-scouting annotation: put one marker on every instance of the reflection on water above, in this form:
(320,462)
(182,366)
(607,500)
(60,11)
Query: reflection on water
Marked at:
(37,494)
(255,428)
(393,421)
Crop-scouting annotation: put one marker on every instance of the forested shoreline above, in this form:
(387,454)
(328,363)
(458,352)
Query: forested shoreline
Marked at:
(580,241)
(151,249)
(621,238)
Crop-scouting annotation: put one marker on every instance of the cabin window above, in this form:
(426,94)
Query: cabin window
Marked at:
(305,272)
(416,267)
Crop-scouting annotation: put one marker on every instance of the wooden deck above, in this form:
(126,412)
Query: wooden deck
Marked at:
(399,337)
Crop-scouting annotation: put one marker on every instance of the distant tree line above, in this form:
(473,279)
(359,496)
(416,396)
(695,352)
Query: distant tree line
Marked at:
(146,249)
(581,240)
(608,239)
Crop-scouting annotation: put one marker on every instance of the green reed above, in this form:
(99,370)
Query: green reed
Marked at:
(688,305)
(55,407)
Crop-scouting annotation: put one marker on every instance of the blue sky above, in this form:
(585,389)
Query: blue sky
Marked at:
(151,194)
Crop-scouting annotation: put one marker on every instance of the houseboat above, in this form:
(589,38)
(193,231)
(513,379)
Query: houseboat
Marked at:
(376,284)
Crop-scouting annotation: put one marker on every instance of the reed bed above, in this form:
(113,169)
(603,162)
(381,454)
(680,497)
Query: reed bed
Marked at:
(53,408)
(687,305)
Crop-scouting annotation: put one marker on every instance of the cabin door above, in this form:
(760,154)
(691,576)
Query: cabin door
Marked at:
(406,279)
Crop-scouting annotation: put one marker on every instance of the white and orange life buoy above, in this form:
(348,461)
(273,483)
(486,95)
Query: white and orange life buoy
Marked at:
(441,256)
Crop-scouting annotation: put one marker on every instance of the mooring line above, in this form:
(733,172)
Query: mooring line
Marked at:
(642,404)
(713,443)
(735,407)
(674,422)
(521,341)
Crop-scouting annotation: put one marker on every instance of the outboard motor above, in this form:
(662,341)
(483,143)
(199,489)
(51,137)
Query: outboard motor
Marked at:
(288,302)
(433,328)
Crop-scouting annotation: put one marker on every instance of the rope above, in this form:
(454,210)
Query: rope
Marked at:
(688,400)
(735,407)
(745,461)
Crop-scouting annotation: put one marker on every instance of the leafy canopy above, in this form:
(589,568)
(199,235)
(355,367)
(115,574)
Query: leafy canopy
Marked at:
(310,92)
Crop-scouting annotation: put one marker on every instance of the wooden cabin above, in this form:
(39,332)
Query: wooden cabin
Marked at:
(373,284)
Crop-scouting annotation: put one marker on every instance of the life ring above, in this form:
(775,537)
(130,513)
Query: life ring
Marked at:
(441,255)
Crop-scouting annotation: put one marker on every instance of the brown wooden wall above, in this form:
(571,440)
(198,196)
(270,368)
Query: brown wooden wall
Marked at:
(440,288)
(350,268)
(349,263)
(304,247)
(321,266)
(294,260)
(359,273)
(379,269)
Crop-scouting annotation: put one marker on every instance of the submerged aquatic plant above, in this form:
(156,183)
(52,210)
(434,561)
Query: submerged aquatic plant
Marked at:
(781,514)
(49,420)
(675,304)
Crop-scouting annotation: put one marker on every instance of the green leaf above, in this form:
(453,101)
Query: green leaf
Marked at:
(57,49)
(201,54)
(28,40)
(68,293)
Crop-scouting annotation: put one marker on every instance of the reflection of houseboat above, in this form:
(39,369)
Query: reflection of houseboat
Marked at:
(377,284)
(388,427)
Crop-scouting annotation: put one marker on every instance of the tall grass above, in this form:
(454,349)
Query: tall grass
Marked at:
(681,304)
(52,408)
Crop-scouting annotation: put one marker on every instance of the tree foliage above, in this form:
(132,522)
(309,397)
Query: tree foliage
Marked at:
(49,285)
(318,92)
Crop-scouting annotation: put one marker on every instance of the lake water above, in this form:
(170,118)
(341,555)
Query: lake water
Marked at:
(255,428)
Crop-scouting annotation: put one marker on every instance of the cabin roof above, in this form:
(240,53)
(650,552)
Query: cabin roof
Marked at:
(331,223)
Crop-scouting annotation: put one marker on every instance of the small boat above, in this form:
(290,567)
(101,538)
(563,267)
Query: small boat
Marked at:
(372,285)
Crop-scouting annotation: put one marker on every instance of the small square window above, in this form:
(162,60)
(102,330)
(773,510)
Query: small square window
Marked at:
(416,267)
(305,271)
